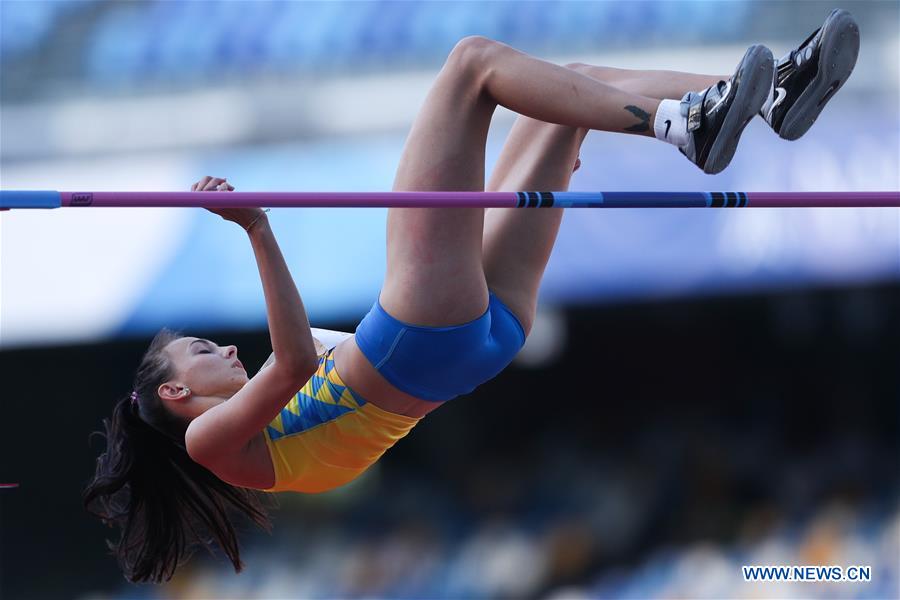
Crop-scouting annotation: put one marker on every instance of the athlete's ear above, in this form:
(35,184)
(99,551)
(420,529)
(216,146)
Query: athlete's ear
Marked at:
(173,391)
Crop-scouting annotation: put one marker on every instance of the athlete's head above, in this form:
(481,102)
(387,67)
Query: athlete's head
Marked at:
(145,482)
(201,375)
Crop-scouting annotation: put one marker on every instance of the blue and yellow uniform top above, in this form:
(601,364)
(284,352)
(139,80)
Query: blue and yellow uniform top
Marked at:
(327,435)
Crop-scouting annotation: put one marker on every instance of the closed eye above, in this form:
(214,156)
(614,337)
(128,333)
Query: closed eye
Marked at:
(204,345)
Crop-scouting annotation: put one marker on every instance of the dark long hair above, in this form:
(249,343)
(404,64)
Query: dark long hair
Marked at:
(166,504)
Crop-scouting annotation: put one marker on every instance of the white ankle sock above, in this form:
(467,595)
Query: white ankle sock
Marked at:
(670,125)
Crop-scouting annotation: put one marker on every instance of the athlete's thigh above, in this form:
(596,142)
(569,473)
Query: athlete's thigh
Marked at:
(517,243)
(434,272)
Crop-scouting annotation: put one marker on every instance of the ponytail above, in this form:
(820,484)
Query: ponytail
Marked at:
(146,484)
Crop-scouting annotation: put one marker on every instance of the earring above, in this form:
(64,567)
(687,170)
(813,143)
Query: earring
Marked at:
(187,390)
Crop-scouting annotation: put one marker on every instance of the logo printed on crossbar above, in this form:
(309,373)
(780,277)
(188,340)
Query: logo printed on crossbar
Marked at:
(82,199)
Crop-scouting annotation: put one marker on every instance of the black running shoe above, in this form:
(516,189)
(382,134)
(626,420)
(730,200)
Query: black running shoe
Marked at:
(807,77)
(717,116)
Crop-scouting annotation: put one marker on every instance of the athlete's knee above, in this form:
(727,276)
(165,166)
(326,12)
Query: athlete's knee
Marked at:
(473,49)
(472,56)
(578,66)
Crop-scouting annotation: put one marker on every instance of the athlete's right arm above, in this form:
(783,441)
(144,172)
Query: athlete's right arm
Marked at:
(228,427)
(292,341)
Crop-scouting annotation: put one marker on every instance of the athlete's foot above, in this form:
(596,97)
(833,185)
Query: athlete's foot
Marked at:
(716,117)
(808,76)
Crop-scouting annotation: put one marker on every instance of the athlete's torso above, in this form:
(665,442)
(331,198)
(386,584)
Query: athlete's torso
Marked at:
(255,468)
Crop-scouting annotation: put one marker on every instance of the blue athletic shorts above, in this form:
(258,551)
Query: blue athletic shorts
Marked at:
(440,363)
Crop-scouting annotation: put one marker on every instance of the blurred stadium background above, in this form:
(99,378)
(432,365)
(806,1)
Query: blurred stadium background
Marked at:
(702,390)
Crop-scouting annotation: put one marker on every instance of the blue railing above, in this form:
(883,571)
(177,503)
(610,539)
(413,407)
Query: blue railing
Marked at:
(24,25)
(172,41)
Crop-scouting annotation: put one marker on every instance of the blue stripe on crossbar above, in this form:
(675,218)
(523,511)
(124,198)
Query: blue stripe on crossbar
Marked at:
(632,199)
(30,199)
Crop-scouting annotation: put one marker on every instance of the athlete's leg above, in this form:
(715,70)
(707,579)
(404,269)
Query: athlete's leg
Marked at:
(655,83)
(435,276)
(517,242)
(540,156)
(434,272)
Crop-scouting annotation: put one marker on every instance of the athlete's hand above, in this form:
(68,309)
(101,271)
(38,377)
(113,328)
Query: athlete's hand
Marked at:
(245,217)
(208,183)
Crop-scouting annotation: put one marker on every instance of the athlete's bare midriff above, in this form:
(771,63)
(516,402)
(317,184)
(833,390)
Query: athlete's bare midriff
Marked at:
(357,372)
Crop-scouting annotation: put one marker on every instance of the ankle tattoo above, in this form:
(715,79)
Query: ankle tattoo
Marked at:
(641,114)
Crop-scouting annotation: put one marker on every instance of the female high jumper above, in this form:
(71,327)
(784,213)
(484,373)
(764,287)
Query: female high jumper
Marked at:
(196,437)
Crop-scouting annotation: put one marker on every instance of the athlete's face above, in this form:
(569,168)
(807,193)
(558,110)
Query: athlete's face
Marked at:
(212,373)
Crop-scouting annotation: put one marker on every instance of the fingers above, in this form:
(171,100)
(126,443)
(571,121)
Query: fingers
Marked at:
(200,184)
(212,183)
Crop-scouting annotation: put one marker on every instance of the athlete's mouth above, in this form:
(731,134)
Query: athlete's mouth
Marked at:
(238,364)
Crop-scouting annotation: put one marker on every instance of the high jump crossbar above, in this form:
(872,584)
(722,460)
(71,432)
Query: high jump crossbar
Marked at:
(54,199)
